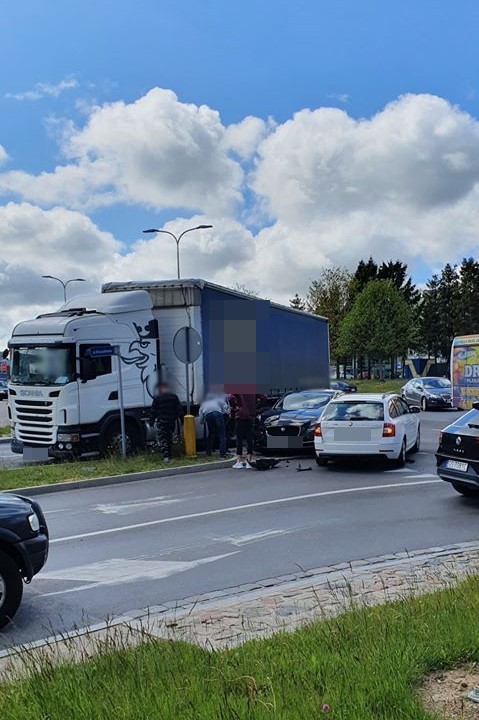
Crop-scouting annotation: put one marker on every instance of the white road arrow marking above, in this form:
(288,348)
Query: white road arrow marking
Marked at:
(122,570)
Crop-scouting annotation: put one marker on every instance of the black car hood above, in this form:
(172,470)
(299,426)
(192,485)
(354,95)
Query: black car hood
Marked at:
(295,417)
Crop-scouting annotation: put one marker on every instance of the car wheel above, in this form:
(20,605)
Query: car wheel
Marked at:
(11,588)
(321,462)
(417,444)
(423,404)
(466,490)
(401,460)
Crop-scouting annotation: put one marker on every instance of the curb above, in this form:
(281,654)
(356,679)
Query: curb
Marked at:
(140,623)
(5,440)
(120,479)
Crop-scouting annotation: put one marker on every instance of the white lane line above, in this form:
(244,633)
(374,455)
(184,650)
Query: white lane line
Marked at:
(122,570)
(236,508)
(400,470)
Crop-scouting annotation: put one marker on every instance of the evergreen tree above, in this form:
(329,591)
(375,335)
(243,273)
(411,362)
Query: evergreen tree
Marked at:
(297,303)
(469,301)
(450,310)
(429,322)
(329,296)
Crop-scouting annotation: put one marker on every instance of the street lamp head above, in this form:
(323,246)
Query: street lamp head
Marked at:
(203,227)
(49,277)
(151,230)
(77,280)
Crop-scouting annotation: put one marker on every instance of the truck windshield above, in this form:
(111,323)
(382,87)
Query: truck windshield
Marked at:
(43,365)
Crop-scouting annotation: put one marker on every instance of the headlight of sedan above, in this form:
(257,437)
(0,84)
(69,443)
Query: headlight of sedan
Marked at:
(34,522)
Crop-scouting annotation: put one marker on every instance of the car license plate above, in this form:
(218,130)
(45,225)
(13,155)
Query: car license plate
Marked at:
(456,465)
(352,434)
(278,442)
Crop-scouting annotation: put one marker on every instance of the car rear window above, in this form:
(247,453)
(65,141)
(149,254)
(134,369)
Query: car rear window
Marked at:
(359,410)
(469,418)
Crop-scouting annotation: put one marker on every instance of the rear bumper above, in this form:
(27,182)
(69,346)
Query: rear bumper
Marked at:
(469,477)
(331,450)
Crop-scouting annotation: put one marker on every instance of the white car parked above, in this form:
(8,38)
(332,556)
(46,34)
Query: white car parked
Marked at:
(367,424)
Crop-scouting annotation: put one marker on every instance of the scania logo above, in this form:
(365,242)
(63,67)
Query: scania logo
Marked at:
(283,429)
(31,393)
(458,441)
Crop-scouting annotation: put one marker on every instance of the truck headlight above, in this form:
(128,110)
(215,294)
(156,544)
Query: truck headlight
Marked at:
(34,522)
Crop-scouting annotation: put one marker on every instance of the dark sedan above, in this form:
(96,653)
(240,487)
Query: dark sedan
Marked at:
(458,454)
(289,425)
(343,386)
(428,393)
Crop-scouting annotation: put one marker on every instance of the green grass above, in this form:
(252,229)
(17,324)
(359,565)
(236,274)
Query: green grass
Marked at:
(365,665)
(5,430)
(379,385)
(46,474)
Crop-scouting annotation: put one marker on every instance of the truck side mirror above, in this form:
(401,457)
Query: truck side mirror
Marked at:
(87,369)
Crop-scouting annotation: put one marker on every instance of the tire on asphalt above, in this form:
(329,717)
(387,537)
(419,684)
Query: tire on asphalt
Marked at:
(416,447)
(401,460)
(465,490)
(321,462)
(11,588)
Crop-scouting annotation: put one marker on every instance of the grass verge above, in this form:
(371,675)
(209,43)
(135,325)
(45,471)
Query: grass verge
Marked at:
(379,385)
(5,431)
(364,665)
(48,474)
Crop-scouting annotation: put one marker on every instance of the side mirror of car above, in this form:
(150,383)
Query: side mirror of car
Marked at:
(87,370)
(414,409)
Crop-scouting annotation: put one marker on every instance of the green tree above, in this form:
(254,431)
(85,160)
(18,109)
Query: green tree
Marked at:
(450,308)
(429,322)
(297,303)
(469,301)
(380,324)
(329,296)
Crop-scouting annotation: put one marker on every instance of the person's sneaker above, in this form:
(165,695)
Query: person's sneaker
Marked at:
(238,465)
(166,459)
(247,466)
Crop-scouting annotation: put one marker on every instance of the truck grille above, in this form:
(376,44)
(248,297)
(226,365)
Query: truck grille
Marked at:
(285,430)
(34,421)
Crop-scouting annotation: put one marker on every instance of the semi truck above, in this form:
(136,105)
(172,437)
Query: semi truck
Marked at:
(64,391)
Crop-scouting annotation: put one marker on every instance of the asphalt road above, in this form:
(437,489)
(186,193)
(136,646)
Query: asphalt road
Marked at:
(125,547)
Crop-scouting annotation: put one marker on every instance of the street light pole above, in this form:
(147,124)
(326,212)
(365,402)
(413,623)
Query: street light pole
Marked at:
(177,239)
(64,284)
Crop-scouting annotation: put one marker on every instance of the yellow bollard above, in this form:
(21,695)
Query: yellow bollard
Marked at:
(189,434)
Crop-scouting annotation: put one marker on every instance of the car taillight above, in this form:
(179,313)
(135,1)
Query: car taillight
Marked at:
(317,430)
(389,430)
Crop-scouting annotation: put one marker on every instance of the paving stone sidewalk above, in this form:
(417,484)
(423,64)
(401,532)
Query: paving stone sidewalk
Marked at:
(236,615)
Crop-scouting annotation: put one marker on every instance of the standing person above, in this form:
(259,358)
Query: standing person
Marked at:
(166,410)
(245,414)
(212,412)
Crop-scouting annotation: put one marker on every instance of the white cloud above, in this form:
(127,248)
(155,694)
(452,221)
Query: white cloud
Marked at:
(339,97)
(324,189)
(42,90)
(156,151)
(3,155)
(37,242)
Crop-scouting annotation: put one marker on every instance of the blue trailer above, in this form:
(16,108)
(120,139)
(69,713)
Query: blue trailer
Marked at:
(249,344)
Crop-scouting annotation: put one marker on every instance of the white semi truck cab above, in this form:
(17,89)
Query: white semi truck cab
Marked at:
(63,400)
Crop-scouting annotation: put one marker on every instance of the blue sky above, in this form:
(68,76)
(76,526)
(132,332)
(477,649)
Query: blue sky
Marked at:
(251,58)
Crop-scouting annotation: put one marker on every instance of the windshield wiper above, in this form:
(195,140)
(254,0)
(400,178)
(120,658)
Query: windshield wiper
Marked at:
(473,425)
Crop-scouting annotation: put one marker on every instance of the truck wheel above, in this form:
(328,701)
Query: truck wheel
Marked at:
(111,442)
(11,588)
(465,490)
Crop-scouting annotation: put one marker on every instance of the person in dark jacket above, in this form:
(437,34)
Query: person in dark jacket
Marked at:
(245,414)
(166,411)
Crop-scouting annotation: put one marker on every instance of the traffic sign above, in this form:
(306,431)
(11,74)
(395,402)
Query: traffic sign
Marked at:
(101,351)
(187,345)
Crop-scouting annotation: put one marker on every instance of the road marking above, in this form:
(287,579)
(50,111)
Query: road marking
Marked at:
(236,508)
(124,508)
(400,470)
(239,540)
(122,570)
